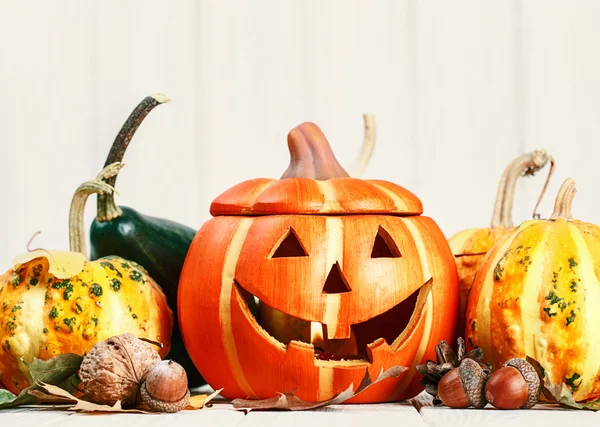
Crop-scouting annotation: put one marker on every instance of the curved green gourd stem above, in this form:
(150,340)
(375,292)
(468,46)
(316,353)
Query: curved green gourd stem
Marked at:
(98,186)
(107,208)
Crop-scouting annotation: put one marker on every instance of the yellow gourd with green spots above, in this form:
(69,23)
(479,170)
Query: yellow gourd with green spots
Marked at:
(42,315)
(537,294)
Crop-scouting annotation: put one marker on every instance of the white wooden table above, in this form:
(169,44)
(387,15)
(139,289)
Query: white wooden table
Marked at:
(417,413)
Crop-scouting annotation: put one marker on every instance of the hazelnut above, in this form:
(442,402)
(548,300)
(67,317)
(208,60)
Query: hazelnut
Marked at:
(463,386)
(514,386)
(165,388)
(114,368)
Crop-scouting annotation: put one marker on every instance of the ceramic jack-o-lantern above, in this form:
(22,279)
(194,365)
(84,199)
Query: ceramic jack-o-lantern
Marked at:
(346,272)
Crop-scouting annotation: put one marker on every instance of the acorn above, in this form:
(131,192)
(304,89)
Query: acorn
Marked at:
(514,386)
(165,388)
(463,387)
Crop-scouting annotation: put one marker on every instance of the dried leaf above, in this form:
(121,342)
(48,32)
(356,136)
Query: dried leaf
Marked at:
(52,371)
(559,393)
(392,372)
(49,398)
(199,401)
(22,399)
(54,392)
(62,264)
(6,396)
(55,370)
(71,385)
(290,402)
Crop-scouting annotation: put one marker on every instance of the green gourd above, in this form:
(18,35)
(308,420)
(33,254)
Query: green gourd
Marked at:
(159,245)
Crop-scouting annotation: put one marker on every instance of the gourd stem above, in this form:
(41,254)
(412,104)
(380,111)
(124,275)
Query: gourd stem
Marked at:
(526,164)
(564,201)
(499,204)
(535,215)
(77,242)
(107,208)
(361,162)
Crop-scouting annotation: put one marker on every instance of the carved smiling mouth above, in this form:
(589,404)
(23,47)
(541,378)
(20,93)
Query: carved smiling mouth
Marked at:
(393,326)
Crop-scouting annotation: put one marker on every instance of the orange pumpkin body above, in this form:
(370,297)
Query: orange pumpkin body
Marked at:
(353,257)
(476,241)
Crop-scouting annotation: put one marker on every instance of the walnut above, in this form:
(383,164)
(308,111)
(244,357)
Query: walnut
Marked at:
(114,369)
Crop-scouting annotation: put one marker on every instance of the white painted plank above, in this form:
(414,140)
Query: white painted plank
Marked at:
(467,129)
(490,417)
(45,140)
(219,415)
(362,60)
(562,97)
(41,417)
(141,48)
(455,96)
(346,415)
(252,89)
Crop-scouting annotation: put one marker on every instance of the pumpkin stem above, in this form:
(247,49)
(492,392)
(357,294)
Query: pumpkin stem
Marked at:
(311,155)
(564,201)
(361,162)
(107,208)
(77,242)
(524,165)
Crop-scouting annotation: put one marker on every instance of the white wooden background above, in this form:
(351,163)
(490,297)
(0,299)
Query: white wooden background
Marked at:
(458,89)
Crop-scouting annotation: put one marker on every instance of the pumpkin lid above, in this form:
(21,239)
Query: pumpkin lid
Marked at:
(315,183)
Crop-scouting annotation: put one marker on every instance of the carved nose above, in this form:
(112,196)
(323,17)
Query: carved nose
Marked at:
(336,283)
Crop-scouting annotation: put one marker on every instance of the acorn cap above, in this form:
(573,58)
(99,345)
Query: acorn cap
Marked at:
(158,405)
(473,378)
(531,378)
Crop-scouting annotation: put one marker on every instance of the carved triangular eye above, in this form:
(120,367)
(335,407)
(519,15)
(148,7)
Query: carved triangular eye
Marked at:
(289,246)
(384,246)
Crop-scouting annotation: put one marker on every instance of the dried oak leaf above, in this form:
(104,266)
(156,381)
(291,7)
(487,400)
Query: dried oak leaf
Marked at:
(199,401)
(54,394)
(559,393)
(113,370)
(290,402)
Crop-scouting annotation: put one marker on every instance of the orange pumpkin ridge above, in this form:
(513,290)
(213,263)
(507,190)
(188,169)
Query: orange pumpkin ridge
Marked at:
(285,260)
(470,246)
